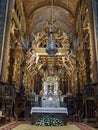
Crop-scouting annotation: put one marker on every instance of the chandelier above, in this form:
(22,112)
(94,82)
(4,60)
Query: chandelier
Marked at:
(51,47)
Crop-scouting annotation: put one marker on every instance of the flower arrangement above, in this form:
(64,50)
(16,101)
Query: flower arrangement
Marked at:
(46,121)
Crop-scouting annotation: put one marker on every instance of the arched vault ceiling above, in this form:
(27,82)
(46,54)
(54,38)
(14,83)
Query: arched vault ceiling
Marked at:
(32,5)
(43,14)
(40,10)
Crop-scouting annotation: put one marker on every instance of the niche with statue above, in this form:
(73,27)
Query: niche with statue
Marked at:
(50,92)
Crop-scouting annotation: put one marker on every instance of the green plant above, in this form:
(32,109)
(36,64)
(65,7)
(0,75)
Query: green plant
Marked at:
(46,121)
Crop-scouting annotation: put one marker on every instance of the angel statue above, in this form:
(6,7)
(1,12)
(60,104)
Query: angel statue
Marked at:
(69,61)
(32,59)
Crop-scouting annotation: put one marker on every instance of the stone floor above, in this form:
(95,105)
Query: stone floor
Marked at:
(26,125)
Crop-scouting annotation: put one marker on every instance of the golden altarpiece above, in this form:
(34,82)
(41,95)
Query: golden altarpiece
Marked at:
(79,64)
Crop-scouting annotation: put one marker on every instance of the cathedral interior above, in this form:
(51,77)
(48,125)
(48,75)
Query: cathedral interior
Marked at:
(49,57)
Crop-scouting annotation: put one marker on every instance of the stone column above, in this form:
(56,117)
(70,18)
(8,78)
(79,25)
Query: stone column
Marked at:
(94,70)
(6,39)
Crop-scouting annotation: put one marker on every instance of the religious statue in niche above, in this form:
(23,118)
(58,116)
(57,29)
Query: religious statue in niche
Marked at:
(50,92)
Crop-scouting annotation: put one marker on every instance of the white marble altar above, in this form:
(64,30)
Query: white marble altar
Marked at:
(50,101)
(40,112)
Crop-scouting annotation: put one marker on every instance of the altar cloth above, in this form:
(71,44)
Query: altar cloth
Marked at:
(49,110)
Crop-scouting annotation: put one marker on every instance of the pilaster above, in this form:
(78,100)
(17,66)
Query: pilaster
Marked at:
(94,70)
(6,40)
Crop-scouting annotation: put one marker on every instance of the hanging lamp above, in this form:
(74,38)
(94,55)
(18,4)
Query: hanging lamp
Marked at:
(51,47)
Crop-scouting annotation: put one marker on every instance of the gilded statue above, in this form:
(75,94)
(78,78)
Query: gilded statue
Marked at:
(13,28)
(32,60)
(69,61)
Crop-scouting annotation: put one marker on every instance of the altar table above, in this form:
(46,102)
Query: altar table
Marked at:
(39,112)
